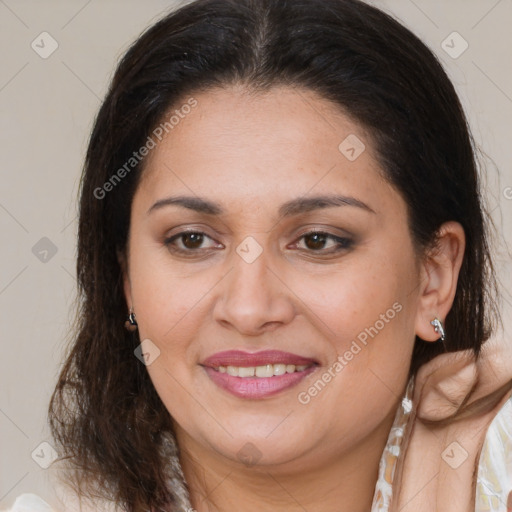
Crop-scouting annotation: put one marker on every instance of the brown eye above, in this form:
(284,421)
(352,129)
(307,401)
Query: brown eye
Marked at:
(317,241)
(192,240)
(189,242)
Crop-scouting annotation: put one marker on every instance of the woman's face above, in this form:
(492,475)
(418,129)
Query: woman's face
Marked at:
(270,343)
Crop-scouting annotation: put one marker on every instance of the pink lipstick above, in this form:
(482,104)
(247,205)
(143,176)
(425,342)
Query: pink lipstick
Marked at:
(257,375)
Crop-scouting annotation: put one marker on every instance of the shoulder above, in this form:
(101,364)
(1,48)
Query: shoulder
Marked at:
(65,502)
(60,496)
(29,502)
(494,483)
(442,456)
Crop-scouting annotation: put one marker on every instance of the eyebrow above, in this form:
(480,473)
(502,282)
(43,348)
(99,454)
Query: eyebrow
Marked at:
(288,209)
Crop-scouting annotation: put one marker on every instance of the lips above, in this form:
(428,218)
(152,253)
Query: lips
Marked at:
(257,375)
(246,359)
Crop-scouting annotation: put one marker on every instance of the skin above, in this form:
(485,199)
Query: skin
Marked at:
(250,153)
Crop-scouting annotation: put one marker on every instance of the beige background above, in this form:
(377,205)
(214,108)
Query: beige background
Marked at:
(47,108)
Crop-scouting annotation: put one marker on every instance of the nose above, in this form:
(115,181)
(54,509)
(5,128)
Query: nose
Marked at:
(253,299)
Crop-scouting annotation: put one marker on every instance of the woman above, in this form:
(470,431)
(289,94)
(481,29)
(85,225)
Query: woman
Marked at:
(285,274)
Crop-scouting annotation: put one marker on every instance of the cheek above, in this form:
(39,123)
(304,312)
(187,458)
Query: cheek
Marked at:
(363,299)
(172,307)
(369,355)
(366,312)
(163,293)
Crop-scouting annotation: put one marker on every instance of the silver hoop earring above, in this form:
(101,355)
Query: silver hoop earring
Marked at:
(438,327)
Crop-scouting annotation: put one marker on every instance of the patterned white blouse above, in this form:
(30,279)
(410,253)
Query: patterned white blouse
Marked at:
(494,479)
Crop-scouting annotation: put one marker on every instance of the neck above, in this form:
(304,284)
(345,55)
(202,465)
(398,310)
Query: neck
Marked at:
(336,481)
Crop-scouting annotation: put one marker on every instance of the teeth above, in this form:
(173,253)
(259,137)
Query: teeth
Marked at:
(280,369)
(267,370)
(245,372)
(232,370)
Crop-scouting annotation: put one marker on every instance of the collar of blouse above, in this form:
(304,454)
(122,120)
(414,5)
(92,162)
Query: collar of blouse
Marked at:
(463,466)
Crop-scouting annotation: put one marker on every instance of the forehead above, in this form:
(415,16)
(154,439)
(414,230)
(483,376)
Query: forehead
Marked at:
(240,144)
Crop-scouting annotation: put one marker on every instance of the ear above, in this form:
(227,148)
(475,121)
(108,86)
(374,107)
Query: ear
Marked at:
(123,262)
(438,280)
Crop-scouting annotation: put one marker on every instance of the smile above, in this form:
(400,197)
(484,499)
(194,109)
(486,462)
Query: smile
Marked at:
(257,375)
(268,370)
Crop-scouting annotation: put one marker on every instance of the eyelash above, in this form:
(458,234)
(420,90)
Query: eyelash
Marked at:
(343,243)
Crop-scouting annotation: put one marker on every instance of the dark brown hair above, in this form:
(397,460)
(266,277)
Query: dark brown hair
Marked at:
(105,413)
